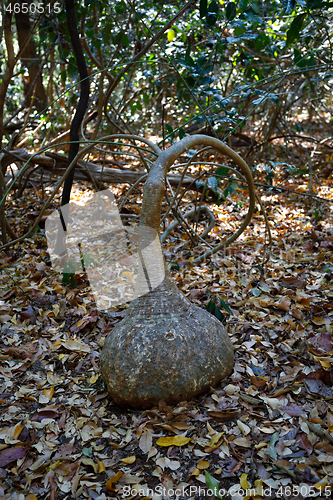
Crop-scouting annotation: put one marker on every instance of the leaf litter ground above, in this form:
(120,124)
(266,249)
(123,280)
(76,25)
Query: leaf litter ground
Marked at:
(264,432)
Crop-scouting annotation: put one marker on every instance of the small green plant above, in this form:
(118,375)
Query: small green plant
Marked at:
(71,268)
(69,273)
(318,213)
(214,307)
(212,485)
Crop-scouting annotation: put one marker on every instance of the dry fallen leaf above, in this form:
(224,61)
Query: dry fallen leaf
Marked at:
(113,479)
(128,460)
(203,464)
(173,441)
(146,440)
(75,345)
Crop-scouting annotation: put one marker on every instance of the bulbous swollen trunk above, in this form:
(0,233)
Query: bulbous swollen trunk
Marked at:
(167,348)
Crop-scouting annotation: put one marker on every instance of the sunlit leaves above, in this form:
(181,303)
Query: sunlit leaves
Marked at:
(171,35)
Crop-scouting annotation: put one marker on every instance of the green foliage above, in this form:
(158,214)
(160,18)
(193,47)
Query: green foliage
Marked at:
(212,485)
(203,8)
(230,11)
(224,63)
(295,28)
(271,450)
(212,12)
(214,307)
(69,272)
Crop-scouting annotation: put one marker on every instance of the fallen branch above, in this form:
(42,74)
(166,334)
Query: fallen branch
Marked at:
(56,164)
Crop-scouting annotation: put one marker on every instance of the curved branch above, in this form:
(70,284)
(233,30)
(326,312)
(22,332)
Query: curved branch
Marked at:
(154,187)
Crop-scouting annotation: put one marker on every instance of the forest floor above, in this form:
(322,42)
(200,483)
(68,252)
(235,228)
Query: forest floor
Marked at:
(264,432)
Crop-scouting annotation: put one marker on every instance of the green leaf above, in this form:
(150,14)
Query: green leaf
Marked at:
(187,54)
(295,28)
(217,313)
(253,18)
(230,11)
(181,133)
(70,267)
(210,306)
(243,4)
(122,39)
(212,485)
(173,266)
(299,60)
(219,200)
(203,8)
(68,271)
(170,131)
(212,13)
(226,307)
(212,183)
(65,278)
(73,282)
(88,452)
(145,98)
(288,6)
(271,447)
(86,260)
(226,192)
(171,35)
(255,7)
(222,171)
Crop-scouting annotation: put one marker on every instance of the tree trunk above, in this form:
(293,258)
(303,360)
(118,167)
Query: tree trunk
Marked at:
(167,348)
(34,88)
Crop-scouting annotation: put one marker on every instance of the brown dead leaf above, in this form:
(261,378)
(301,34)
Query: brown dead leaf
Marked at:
(258,381)
(196,294)
(293,410)
(247,259)
(28,315)
(146,440)
(322,342)
(11,454)
(86,320)
(315,386)
(293,282)
(283,304)
(113,479)
(305,443)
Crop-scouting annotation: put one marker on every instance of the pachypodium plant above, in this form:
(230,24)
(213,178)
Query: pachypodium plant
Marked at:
(166,348)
